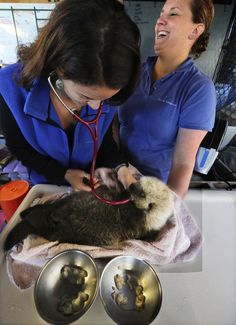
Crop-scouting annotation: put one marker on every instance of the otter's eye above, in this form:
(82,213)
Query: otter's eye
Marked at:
(142,194)
(151,205)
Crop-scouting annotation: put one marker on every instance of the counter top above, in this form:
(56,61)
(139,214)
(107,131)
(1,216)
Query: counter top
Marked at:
(202,292)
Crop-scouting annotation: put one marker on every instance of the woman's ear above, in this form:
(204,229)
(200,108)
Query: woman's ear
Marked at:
(196,32)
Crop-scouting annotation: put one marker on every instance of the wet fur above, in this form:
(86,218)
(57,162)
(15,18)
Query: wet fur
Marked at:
(80,218)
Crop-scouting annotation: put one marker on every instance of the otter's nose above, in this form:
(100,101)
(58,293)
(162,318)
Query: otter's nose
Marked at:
(136,189)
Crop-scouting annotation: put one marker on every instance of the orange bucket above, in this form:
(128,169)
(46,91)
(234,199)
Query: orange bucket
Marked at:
(11,196)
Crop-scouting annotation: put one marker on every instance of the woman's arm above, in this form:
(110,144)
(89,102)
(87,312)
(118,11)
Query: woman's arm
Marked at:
(187,144)
(110,155)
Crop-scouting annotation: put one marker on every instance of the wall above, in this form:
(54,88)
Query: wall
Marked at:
(146,13)
(19,24)
(143,13)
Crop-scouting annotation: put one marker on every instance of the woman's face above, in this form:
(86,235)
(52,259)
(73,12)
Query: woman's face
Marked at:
(174,28)
(79,95)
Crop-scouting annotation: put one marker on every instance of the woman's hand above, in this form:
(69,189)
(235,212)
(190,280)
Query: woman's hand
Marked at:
(79,180)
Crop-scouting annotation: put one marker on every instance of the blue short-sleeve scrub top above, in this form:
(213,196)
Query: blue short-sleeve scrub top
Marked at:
(151,117)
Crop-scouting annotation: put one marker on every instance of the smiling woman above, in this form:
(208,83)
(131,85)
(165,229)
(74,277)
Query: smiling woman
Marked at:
(163,123)
(83,48)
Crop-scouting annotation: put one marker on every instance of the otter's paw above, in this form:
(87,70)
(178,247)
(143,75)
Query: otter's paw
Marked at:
(109,178)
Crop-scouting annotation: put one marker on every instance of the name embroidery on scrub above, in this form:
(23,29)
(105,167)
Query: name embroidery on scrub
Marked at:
(166,100)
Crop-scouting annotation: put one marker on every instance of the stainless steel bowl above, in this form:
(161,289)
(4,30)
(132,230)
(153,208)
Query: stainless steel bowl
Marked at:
(120,299)
(51,287)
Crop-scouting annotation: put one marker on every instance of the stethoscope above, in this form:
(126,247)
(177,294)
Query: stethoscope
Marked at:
(94,135)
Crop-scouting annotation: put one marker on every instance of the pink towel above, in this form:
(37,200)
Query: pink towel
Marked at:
(179,241)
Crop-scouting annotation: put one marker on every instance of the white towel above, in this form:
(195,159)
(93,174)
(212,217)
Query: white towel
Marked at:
(179,241)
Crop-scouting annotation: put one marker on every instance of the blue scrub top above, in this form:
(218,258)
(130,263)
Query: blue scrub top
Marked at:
(151,117)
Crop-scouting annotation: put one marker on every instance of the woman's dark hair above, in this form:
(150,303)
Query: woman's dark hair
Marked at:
(91,42)
(203,12)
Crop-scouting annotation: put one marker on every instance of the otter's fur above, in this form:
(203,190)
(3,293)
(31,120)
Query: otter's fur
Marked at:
(81,218)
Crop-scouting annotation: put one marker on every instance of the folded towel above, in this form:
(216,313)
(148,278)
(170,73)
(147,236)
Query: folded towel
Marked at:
(16,170)
(179,241)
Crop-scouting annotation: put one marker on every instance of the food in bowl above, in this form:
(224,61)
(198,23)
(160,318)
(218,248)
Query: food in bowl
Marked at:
(119,281)
(129,291)
(71,305)
(140,298)
(120,298)
(75,275)
(66,287)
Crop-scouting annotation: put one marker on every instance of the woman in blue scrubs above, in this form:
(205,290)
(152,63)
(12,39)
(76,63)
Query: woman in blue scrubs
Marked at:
(163,123)
(89,50)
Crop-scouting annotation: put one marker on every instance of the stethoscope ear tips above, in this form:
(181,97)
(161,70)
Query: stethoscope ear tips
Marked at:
(59,84)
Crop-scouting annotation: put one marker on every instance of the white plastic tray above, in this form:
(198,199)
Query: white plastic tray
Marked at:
(203,291)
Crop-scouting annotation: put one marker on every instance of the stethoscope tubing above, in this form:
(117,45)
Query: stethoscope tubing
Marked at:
(94,135)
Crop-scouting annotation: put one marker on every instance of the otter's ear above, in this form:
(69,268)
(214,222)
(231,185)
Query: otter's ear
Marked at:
(137,190)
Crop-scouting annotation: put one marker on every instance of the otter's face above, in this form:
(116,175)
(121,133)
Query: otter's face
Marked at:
(155,199)
(150,194)
(141,196)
